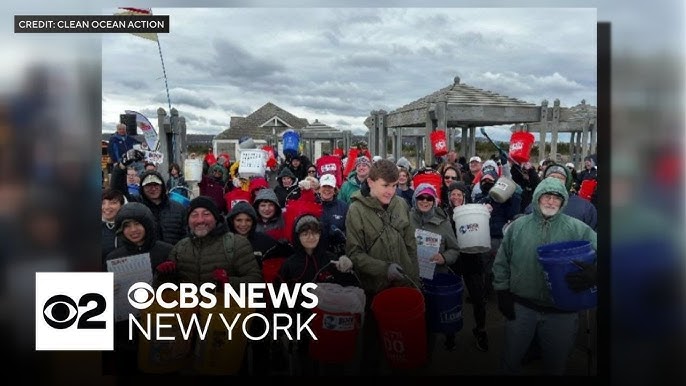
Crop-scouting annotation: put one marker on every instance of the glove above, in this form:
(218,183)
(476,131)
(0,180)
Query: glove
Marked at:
(166,267)
(583,279)
(506,304)
(344,264)
(395,272)
(131,156)
(503,158)
(220,275)
(304,184)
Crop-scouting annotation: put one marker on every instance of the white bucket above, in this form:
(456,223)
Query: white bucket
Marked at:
(192,169)
(252,163)
(503,189)
(472,228)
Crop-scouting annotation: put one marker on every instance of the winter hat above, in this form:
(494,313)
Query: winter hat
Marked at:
(376,158)
(304,220)
(559,169)
(363,160)
(403,163)
(424,189)
(207,203)
(489,169)
(458,185)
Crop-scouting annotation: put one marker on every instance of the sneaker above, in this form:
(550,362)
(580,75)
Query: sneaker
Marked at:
(481,339)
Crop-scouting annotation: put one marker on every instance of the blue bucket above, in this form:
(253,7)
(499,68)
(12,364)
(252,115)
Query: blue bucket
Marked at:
(180,198)
(556,260)
(291,141)
(443,297)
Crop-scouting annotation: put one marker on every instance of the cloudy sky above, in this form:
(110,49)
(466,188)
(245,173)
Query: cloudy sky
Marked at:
(338,64)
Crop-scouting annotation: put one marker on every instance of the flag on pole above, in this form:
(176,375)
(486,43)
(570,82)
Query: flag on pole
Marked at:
(149,133)
(128,11)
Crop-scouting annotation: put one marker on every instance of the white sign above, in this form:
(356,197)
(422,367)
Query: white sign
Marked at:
(154,156)
(128,271)
(428,244)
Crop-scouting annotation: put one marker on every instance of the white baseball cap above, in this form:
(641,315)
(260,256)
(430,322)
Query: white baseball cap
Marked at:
(475,158)
(328,180)
(569,165)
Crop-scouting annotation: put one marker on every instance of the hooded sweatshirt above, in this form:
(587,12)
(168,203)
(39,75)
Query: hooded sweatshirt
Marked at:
(158,250)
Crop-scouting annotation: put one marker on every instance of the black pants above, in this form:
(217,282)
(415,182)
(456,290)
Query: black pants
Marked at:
(470,267)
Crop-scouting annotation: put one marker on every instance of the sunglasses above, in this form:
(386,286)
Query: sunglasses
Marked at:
(424,198)
(311,171)
(449,178)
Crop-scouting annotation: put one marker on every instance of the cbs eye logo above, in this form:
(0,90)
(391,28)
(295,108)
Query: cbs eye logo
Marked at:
(61,311)
(141,295)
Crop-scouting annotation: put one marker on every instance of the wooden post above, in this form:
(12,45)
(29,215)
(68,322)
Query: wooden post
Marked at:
(472,140)
(383,132)
(428,151)
(463,143)
(544,128)
(572,151)
(594,135)
(398,143)
(555,129)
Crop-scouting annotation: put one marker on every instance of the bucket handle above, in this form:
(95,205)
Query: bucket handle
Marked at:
(316,275)
(402,271)
(181,187)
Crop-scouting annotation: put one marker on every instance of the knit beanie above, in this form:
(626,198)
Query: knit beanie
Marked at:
(424,189)
(306,219)
(207,203)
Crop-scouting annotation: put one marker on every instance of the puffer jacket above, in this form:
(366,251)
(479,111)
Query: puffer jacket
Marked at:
(377,237)
(440,224)
(516,267)
(197,257)
(170,216)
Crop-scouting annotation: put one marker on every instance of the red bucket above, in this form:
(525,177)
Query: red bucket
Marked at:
(520,146)
(336,334)
(399,313)
(587,188)
(438,143)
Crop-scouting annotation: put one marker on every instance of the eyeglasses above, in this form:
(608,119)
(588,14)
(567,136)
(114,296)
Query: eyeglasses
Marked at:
(425,198)
(450,177)
(309,234)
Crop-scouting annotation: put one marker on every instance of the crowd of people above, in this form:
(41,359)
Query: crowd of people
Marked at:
(318,219)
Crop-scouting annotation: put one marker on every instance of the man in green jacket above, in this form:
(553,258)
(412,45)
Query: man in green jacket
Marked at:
(523,294)
(211,250)
(381,244)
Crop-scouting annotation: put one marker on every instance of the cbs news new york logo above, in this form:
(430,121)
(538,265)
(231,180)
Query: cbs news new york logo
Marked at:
(74,311)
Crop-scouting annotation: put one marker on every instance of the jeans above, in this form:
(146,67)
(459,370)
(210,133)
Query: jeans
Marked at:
(556,334)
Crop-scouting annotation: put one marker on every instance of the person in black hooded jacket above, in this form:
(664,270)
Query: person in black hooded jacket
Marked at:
(169,215)
(242,220)
(135,225)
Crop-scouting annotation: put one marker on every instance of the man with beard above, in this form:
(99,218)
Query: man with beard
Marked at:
(523,295)
(211,247)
